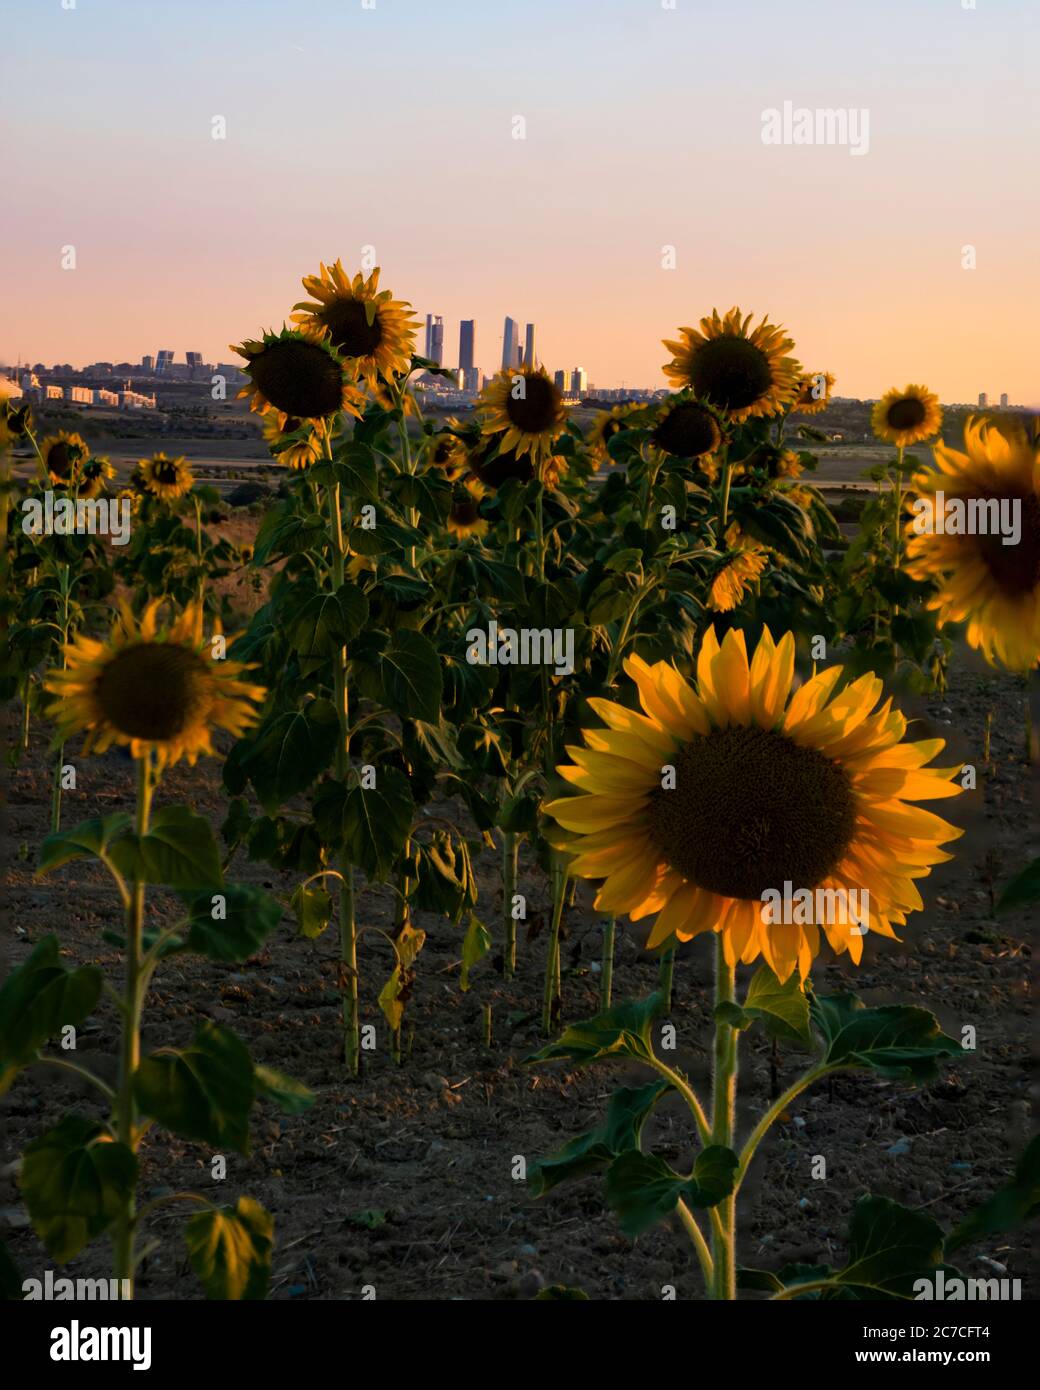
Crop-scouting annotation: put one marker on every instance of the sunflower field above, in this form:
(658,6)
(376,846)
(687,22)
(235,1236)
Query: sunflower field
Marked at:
(523,807)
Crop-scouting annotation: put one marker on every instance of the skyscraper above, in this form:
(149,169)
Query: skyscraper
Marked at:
(1003,400)
(983,400)
(579,381)
(434,351)
(510,343)
(560,381)
(530,360)
(467,344)
(163,361)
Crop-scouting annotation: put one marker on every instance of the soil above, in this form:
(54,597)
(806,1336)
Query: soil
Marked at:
(403,1181)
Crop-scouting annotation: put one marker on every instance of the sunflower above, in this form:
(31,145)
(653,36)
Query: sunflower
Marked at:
(993,587)
(63,455)
(746,564)
(156,689)
(95,477)
(166,478)
(15,421)
(606,425)
(296,445)
(448,452)
(906,417)
(687,429)
(465,519)
(297,374)
(813,394)
(370,328)
(768,788)
(525,408)
(742,373)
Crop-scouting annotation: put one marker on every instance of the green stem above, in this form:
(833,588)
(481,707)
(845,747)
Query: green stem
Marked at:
(700,1245)
(665,975)
(727,479)
(606,983)
(510,863)
(796,1290)
(125,1113)
(688,1094)
(723,1117)
(81,1072)
(59,763)
(778,1107)
(552,964)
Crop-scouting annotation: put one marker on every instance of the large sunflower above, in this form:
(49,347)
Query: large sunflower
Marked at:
(370,328)
(297,373)
(687,429)
(906,417)
(156,689)
(96,475)
(814,393)
(64,455)
(770,788)
(525,407)
(744,373)
(993,587)
(296,445)
(166,478)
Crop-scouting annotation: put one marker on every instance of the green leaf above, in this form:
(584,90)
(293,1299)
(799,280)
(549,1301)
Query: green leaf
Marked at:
(596,1149)
(889,1247)
(89,838)
(623,1029)
(783,1008)
(230,1250)
(643,1190)
(560,1293)
(475,947)
(325,622)
(372,823)
(313,908)
(178,851)
(75,1181)
(760,1280)
(897,1041)
(290,751)
(354,468)
(37,1000)
(204,1091)
(390,999)
(411,675)
(249,917)
(1022,890)
(369,1219)
(292,1097)
(1010,1206)
(285,532)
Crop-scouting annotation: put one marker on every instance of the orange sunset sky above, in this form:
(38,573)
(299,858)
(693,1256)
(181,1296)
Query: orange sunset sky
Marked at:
(391,124)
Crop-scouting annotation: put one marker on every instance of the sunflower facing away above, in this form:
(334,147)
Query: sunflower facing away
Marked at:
(814,393)
(606,425)
(63,455)
(297,373)
(94,479)
(166,478)
(296,446)
(526,408)
(687,429)
(465,519)
(448,453)
(745,565)
(993,587)
(811,788)
(744,373)
(154,688)
(906,417)
(370,328)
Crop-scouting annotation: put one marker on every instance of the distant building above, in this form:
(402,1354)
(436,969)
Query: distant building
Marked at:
(109,398)
(530,357)
(510,344)
(467,344)
(579,381)
(1003,400)
(983,400)
(560,381)
(434,350)
(470,379)
(148,363)
(164,361)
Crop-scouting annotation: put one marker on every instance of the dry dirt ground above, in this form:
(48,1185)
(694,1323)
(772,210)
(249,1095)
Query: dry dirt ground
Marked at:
(403,1180)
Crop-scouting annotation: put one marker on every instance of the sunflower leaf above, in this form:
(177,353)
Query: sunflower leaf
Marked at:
(232,923)
(1012,1205)
(292,1097)
(75,1180)
(90,837)
(230,1250)
(596,1149)
(783,1008)
(898,1041)
(889,1247)
(411,676)
(1022,890)
(475,947)
(204,1091)
(622,1030)
(37,1000)
(643,1190)
(289,751)
(371,823)
(312,904)
(178,851)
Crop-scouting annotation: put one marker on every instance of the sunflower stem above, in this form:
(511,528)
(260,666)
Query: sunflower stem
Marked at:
(700,1245)
(727,479)
(723,1117)
(510,863)
(665,976)
(606,983)
(125,1113)
(60,760)
(551,997)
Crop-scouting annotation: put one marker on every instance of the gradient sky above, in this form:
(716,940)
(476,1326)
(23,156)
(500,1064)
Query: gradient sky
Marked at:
(391,126)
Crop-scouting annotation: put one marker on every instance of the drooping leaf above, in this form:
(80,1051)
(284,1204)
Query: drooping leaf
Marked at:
(475,946)
(1010,1207)
(783,1008)
(312,905)
(37,1000)
(898,1041)
(230,1250)
(245,918)
(90,838)
(596,1149)
(889,1247)
(75,1180)
(292,1097)
(411,674)
(623,1029)
(390,999)
(204,1091)
(371,823)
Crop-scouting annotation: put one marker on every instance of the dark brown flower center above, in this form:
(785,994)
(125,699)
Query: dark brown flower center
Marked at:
(153,690)
(465,511)
(351,331)
(62,459)
(166,471)
(1016,568)
(535,406)
(299,378)
(731,372)
(687,430)
(495,471)
(906,413)
(753,810)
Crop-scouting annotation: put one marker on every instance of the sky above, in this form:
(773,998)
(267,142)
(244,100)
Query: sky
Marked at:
(391,124)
